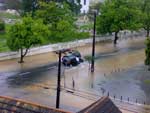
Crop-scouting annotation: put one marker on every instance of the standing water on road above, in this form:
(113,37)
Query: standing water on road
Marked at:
(119,70)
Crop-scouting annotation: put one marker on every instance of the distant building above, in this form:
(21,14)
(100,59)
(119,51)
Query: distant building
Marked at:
(85,6)
(2,6)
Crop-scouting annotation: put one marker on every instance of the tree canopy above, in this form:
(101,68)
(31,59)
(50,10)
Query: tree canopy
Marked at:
(74,5)
(60,20)
(52,12)
(32,5)
(13,4)
(118,15)
(95,6)
(145,8)
(26,34)
(29,6)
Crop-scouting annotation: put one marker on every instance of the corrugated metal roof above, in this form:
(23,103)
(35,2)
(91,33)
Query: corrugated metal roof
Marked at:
(103,105)
(10,105)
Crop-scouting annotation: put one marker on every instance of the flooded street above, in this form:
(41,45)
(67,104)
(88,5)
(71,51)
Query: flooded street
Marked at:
(119,70)
(115,76)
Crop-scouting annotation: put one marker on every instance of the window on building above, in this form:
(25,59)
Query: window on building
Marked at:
(84,2)
(83,11)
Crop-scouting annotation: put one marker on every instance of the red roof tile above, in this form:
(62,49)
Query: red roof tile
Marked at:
(8,105)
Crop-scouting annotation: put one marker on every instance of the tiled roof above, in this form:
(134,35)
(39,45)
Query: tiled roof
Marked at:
(10,105)
(103,105)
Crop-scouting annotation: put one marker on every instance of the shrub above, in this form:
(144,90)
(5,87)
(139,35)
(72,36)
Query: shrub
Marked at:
(82,35)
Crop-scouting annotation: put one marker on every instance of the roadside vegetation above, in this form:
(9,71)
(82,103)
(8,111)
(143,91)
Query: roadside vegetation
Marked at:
(3,46)
(3,36)
(147,82)
(145,9)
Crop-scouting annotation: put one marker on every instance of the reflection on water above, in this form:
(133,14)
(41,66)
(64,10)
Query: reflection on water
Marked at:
(120,75)
(116,74)
(121,62)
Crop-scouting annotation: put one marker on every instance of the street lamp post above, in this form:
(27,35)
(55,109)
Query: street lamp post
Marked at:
(58,81)
(93,44)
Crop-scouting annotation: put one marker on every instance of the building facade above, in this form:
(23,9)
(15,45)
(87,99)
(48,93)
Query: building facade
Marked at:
(85,6)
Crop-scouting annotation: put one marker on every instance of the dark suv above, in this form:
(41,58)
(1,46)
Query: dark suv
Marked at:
(73,58)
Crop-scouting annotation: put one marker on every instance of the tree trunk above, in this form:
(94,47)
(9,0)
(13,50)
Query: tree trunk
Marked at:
(21,56)
(116,38)
(147,35)
(148,67)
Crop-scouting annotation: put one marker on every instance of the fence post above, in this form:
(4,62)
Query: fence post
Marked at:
(103,92)
(108,94)
(114,97)
(128,99)
(121,98)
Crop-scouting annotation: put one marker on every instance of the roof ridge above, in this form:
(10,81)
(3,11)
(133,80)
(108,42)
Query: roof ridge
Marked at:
(6,99)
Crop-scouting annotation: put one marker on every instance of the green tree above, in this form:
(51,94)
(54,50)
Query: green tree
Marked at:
(60,20)
(29,6)
(147,52)
(74,5)
(95,6)
(13,4)
(117,15)
(52,12)
(26,34)
(32,5)
(145,8)
(63,32)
